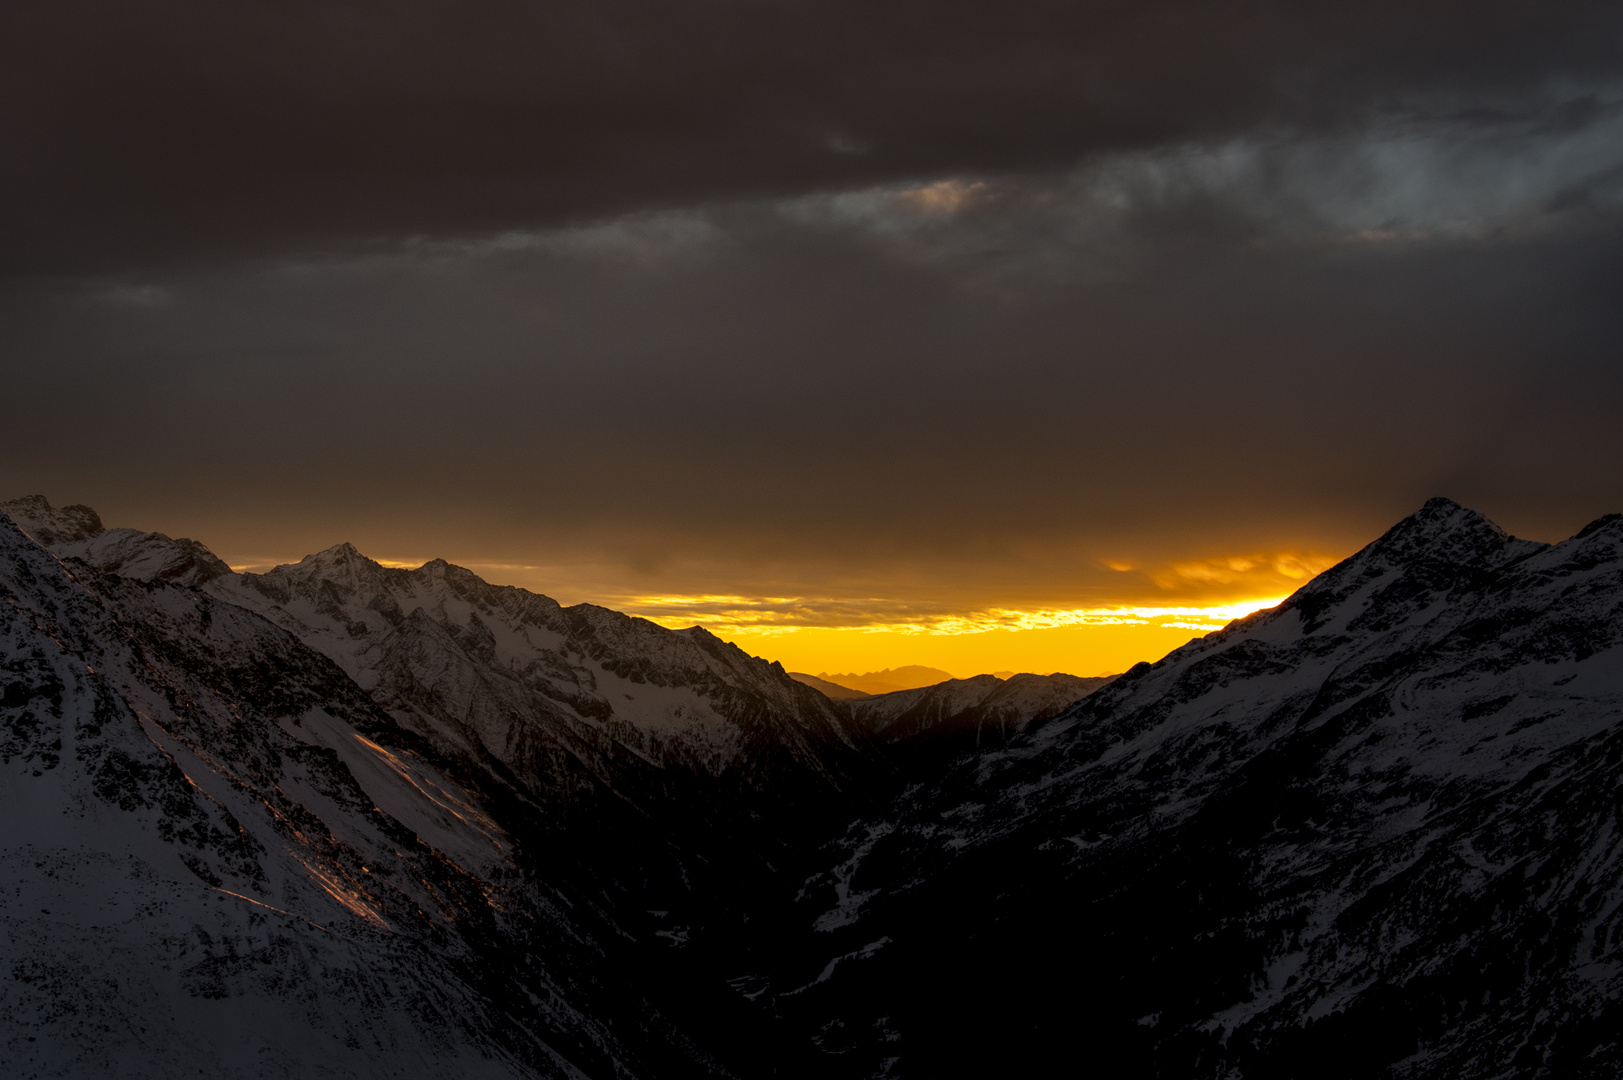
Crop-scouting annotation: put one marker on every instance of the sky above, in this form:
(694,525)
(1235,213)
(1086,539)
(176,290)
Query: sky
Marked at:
(864,334)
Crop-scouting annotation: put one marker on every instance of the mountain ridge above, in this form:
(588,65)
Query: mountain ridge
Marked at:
(889,680)
(343,598)
(1307,834)
(1373,831)
(983,705)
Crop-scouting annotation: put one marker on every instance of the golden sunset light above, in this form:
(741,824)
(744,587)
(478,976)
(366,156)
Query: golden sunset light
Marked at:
(839,539)
(1140,610)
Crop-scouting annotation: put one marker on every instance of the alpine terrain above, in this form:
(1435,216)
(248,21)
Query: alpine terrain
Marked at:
(351,820)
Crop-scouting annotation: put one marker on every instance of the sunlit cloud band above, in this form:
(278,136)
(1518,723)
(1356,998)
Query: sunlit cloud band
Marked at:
(776,615)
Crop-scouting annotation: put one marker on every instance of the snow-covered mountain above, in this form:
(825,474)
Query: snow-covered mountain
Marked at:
(553,693)
(77,532)
(346,819)
(660,771)
(564,699)
(220,857)
(1372,832)
(47,524)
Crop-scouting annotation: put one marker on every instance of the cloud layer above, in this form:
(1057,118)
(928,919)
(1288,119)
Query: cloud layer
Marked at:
(956,306)
(181,127)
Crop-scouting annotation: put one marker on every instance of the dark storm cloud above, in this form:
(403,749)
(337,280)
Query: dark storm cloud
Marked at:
(1183,350)
(134,131)
(941,298)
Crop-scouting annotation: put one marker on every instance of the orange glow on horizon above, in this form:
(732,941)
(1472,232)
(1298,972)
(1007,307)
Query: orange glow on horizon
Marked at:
(787,615)
(1161,606)
(1078,641)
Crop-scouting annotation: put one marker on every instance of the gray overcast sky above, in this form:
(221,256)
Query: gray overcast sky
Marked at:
(954,299)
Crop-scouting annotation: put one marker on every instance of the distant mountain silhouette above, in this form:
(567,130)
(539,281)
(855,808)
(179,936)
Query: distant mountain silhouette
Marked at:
(826,688)
(981,708)
(910,677)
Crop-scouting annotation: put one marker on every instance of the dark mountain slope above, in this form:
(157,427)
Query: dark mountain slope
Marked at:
(1372,832)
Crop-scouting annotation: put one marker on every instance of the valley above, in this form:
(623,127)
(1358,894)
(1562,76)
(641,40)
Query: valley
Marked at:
(346,819)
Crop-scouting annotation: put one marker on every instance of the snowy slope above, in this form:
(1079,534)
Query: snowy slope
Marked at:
(220,856)
(146,556)
(1374,831)
(665,778)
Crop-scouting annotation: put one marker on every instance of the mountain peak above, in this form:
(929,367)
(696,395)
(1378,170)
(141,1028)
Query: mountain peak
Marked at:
(1443,529)
(47,525)
(336,555)
(1442,516)
(342,564)
(1601,524)
(1440,542)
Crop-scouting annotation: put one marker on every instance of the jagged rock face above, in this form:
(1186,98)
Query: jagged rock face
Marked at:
(1374,831)
(985,708)
(219,855)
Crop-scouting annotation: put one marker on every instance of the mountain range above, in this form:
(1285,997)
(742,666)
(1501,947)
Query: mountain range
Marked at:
(889,680)
(345,819)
